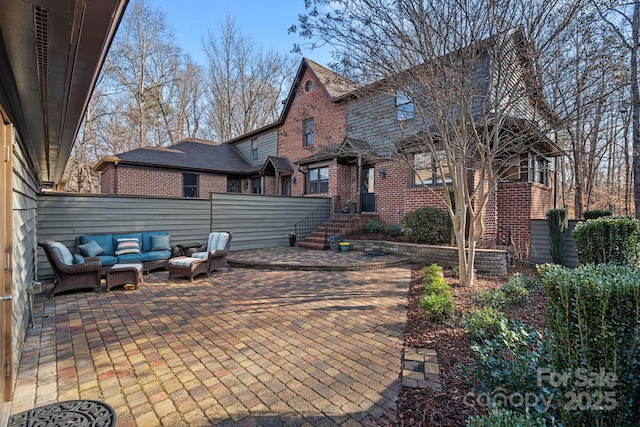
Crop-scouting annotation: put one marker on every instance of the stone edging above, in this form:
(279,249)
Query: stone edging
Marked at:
(420,369)
(488,261)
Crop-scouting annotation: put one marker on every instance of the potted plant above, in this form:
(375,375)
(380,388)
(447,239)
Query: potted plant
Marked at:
(351,205)
(333,242)
(292,238)
(344,246)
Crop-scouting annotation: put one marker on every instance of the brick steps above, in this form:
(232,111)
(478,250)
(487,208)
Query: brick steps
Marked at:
(337,225)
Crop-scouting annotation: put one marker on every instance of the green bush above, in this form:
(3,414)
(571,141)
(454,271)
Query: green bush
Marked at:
(596,213)
(507,363)
(502,418)
(608,240)
(558,222)
(515,291)
(373,226)
(437,300)
(594,322)
(483,324)
(492,298)
(432,272)
(438,307)
(428,225)
(393,230)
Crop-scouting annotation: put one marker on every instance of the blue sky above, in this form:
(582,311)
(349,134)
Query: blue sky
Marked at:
(266,22)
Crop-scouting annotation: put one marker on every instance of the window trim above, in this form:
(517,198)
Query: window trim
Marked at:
(307,137)
(322,185)
(434,165)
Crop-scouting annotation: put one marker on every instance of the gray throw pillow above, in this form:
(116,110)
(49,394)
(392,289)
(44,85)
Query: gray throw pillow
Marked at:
(91,249)
(160,242)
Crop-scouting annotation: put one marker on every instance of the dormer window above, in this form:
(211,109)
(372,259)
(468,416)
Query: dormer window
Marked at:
(308,85)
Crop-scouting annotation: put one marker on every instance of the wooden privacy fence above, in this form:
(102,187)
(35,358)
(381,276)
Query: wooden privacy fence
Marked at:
(256,221)
(540,252)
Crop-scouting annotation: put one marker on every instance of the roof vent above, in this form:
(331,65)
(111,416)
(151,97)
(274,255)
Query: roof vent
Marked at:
(41,21)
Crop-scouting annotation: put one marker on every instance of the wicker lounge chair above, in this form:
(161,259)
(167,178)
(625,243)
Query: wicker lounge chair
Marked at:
(216,250)
(71,276)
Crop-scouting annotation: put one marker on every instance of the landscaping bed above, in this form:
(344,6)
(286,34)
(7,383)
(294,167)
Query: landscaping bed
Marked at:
(424,407)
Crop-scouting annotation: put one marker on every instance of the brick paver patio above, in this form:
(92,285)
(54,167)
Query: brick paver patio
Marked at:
(247,348)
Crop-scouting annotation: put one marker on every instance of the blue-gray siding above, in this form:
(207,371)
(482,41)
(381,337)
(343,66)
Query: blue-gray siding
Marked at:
(256,221)
(267,146)
(23,268)
(541,243)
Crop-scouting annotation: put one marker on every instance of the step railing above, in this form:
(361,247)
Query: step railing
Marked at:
(314,220)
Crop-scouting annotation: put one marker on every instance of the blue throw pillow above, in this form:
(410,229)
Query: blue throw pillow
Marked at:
(160,242)
(91,249)
(78,259)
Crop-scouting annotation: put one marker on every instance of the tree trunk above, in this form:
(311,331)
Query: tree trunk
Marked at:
(635,99)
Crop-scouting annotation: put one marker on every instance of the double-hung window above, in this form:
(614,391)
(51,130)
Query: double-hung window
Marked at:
(539,169)
(254,149)
(189,185)
(429,167)
(404,106)
(318,180)
(307,129)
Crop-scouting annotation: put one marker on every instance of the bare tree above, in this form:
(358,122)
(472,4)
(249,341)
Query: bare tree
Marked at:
(624,19)
(585,75)
(470,70)
(246,83)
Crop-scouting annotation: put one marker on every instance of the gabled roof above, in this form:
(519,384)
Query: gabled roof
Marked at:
(187,154)
(334,85)
(348,148)
(280,165)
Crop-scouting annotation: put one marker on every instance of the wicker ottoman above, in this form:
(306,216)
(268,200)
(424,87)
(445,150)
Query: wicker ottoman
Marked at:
(187,266)
(124,274)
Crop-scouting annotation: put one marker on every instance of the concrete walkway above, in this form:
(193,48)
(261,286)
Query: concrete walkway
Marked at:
(249,347)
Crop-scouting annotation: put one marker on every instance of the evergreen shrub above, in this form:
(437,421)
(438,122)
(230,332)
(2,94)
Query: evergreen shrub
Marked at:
(596,213)
(608,240)
(558,222)
(428,225)
(593,314)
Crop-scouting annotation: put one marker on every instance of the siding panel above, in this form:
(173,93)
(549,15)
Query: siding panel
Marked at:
(256,221)
(267,146)
(23,263)
(541,243)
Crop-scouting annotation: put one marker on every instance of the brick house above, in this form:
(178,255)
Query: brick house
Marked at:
(333,139)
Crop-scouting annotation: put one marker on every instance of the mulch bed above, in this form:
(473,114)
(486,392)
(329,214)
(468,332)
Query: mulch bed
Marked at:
(424,407)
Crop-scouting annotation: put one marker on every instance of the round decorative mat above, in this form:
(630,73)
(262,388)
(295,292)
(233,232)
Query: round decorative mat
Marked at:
(90,413)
